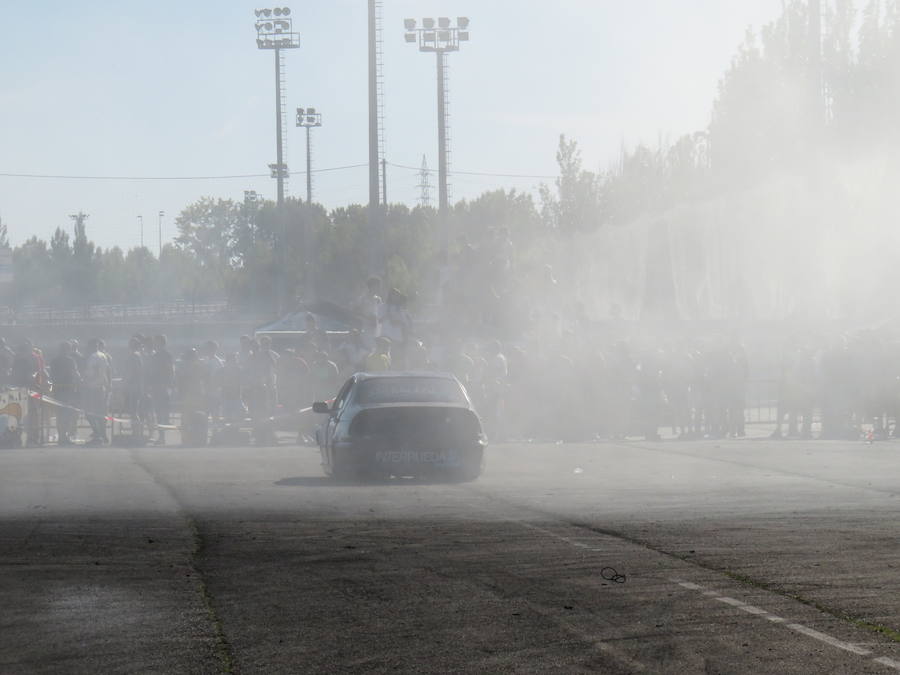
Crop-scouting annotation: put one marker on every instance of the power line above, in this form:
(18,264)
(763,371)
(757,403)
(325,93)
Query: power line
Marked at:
(476,173)
(418,169)
(161,178)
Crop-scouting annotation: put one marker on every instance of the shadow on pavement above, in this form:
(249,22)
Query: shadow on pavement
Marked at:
(325,481)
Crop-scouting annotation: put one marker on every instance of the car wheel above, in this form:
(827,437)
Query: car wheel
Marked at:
(468,471)
(341,470)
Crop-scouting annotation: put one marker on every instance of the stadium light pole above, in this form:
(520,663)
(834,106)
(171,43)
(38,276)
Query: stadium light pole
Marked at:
(440,37)
(161,214)
(274,31)
(308,118)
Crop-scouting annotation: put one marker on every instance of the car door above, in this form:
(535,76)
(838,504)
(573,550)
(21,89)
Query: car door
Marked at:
(334,418)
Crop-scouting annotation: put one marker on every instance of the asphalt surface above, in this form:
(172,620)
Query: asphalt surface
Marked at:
(669,557)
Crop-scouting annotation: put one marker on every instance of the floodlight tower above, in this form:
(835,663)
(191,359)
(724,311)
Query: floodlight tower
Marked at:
(308,119)
(161,214)
(440,37)
(274,31)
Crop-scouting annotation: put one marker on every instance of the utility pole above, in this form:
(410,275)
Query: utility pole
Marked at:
(374,215)
(817,98)
(442,134)
(308,119)
(279,140)
(373,104)
(274,31)
(161,214)
(384,181)
(440,39)
(79,218)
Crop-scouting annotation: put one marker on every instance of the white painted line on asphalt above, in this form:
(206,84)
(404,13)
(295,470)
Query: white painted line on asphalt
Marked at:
(743,606)
(731,601)
(834,642)
(800,628)
(890,663)
(750,609)
(689,585)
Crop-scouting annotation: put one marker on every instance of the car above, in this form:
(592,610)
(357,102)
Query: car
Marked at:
(419,424)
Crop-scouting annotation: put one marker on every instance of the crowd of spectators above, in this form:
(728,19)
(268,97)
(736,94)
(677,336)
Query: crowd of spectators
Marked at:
(545,373)
(849,384)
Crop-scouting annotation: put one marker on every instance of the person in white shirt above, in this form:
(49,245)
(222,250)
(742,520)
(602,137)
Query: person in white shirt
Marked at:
(97,381)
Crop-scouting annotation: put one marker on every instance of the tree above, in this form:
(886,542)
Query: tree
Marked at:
(85,264)
(206,232)
(575,206)
(32,282)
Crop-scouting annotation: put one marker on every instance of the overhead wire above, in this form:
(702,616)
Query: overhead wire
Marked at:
(473,173)
(162,178)
(265,175)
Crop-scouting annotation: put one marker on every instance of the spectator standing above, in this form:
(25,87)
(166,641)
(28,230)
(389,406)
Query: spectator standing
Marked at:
(23,372)
(325,376)
(133,381)
(268,358)
(313,332)
(228,383)
(161,384)
(97,383)
(66,382)
(6,360)
(380,358)
(193,398)
(353,353)
(368,309)
(80,359)
(212,364)
(293,381)
(243,356)
(396,324)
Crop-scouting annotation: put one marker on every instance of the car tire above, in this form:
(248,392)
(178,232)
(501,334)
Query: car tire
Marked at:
(468,471)
(341,470)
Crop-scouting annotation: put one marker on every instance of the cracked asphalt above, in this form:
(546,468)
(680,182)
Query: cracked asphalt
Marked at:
(738,557)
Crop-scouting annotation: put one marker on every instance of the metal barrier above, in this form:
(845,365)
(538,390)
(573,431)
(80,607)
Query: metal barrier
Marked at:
(110,313)
(761,402)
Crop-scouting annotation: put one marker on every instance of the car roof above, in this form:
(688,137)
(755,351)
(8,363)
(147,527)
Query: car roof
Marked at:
(403,373)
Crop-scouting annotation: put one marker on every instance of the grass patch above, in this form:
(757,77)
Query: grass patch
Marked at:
(223,647)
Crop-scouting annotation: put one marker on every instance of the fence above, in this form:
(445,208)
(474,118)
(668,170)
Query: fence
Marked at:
(112,313)
(761,406)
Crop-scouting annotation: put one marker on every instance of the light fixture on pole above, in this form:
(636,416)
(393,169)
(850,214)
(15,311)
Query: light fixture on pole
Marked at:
(274,31)
(441,36)
(308,118)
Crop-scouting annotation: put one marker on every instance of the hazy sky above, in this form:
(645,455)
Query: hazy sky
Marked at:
(170,88)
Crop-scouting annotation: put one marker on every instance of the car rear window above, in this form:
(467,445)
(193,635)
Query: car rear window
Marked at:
(410,390)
